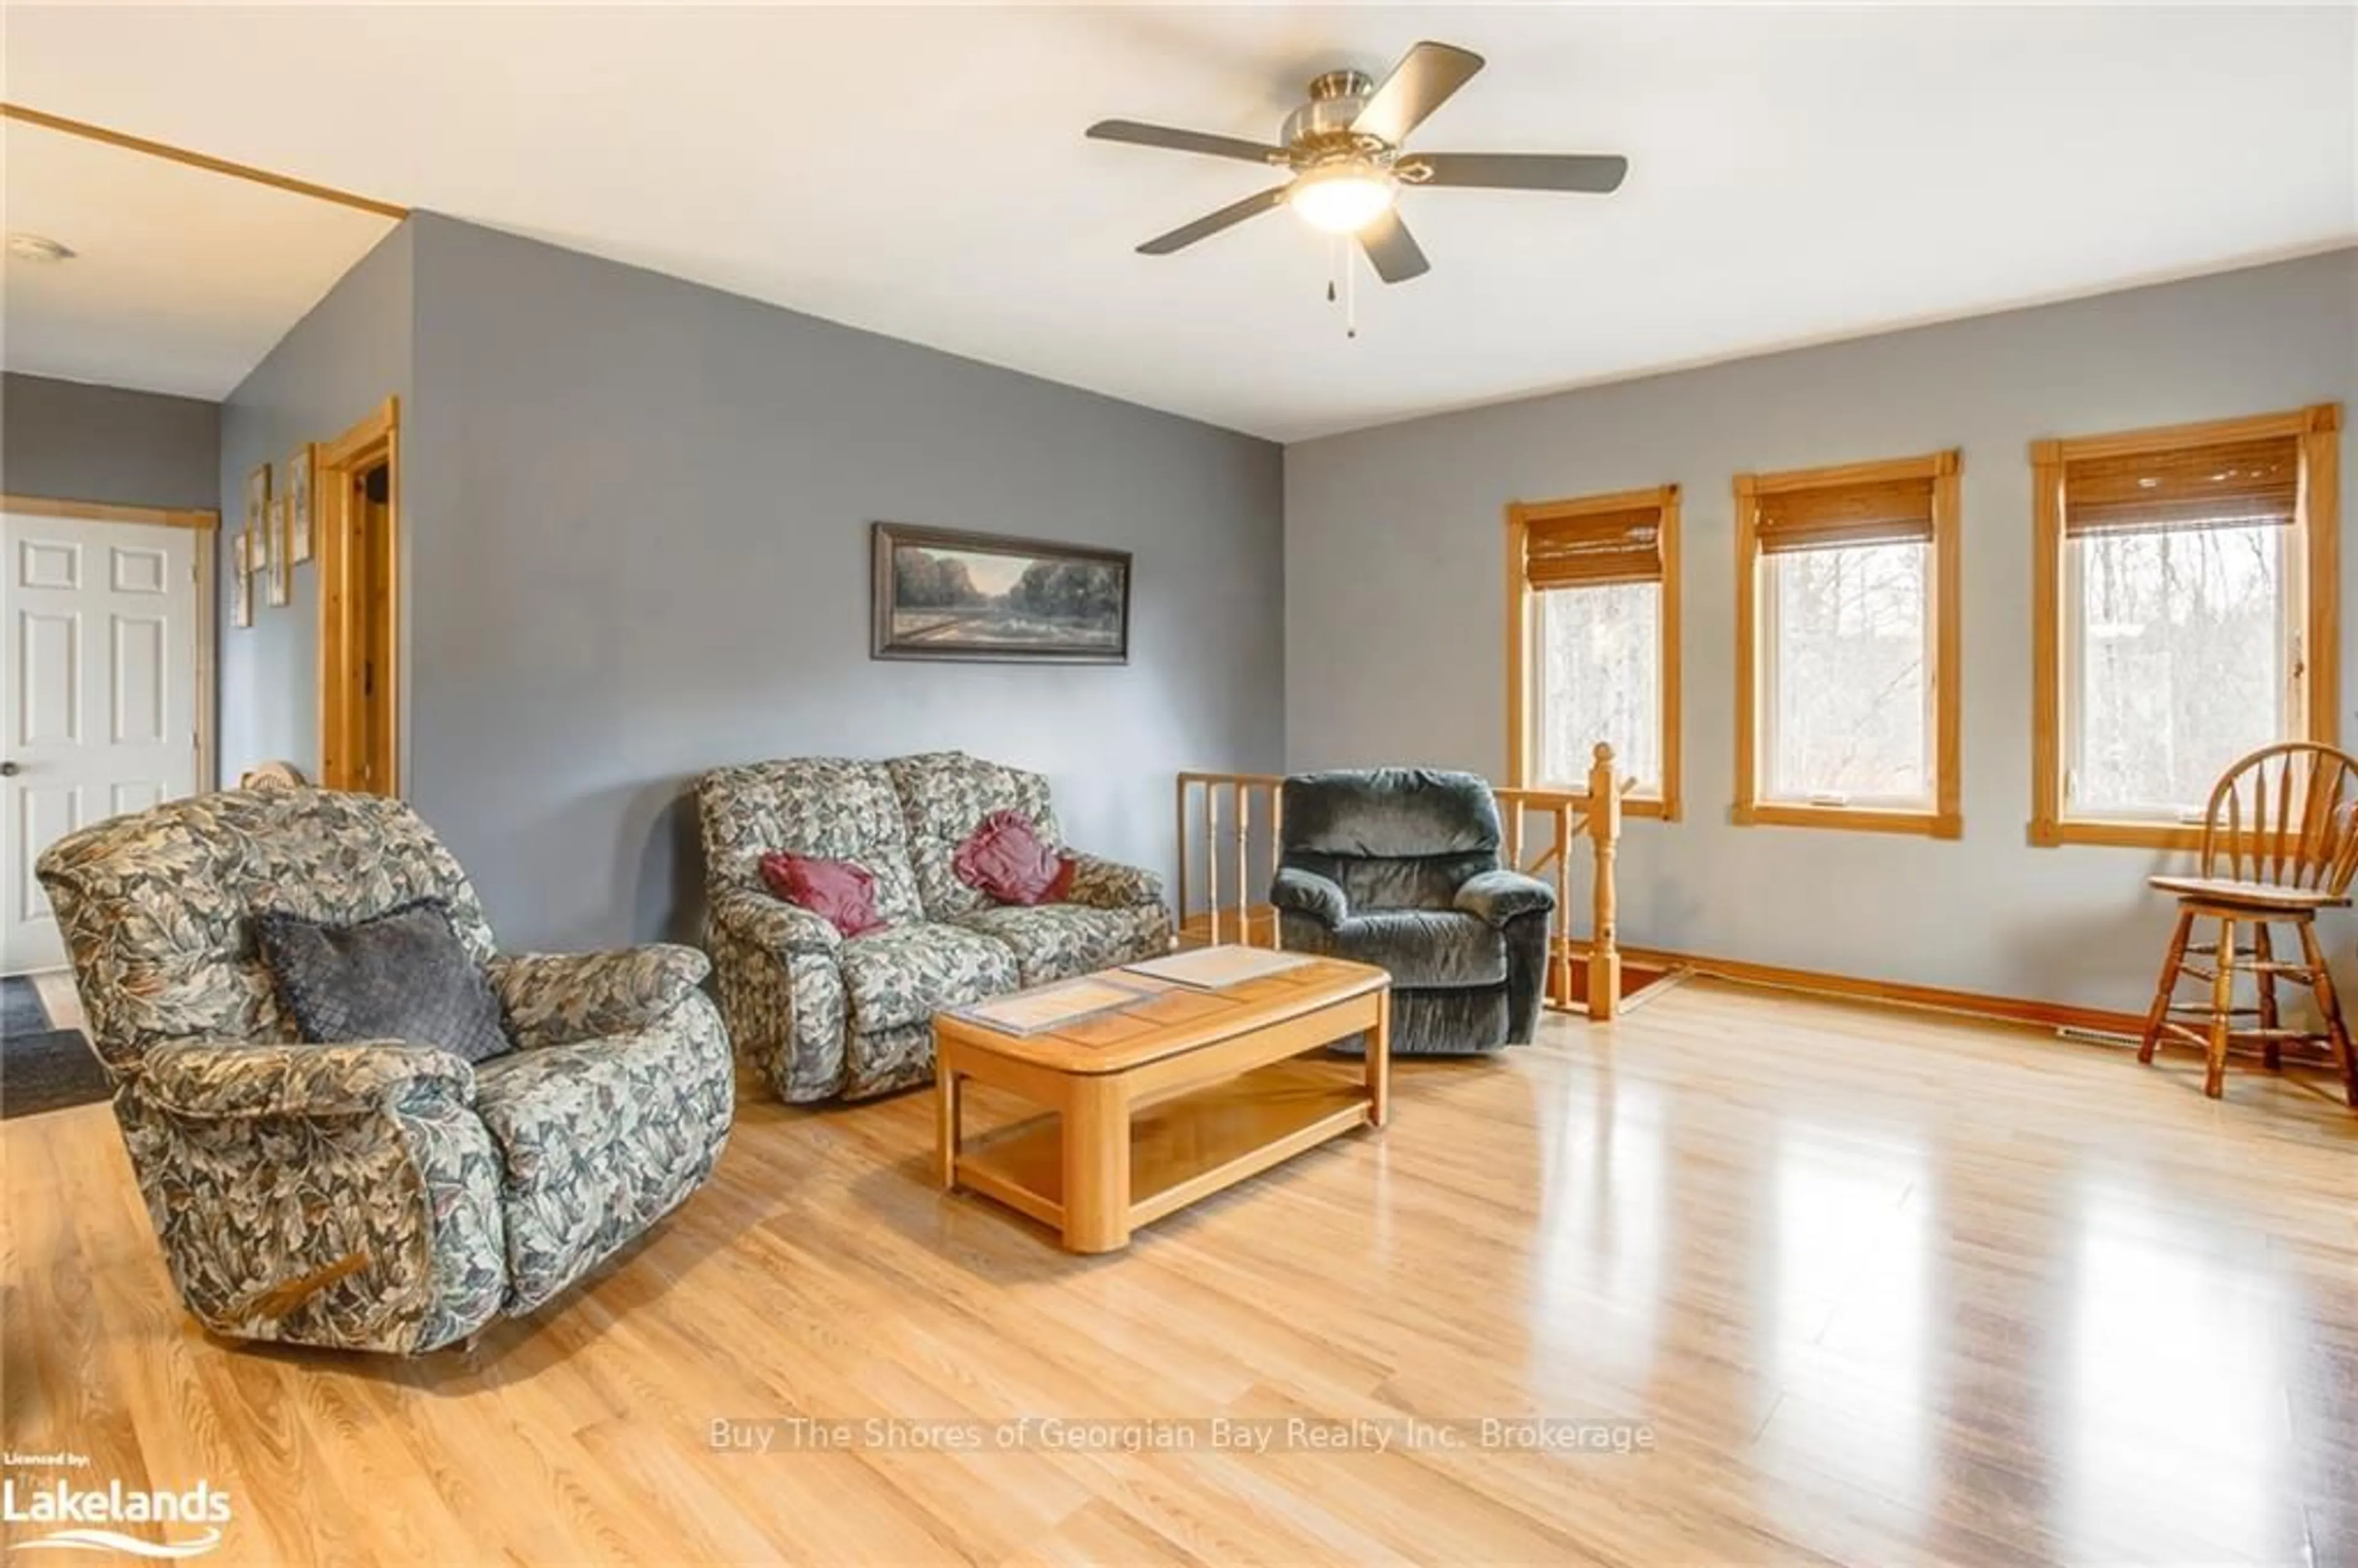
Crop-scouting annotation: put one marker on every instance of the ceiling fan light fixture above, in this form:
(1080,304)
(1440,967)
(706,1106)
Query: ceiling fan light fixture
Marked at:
(1347,151)
(23,246)
(1343,198)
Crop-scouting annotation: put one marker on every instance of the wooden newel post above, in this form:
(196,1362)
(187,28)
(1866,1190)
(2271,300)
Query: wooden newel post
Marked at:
(1604,835)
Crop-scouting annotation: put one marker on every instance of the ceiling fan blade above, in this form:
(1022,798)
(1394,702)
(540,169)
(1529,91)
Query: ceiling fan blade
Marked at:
(1595,173)
(1418,85)
(1184,141)
(1204,227)
(1392,249)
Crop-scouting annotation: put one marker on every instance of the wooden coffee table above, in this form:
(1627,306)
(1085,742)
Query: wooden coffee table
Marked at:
(1165,1101)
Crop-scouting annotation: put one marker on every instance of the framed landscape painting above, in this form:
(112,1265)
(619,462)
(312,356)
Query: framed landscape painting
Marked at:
(943,595)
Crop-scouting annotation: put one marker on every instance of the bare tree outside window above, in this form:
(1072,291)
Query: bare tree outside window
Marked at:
(1600,678)
(2180,667)
(1846,662)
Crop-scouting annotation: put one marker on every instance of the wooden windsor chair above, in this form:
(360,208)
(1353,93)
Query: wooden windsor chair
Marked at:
(2279,843)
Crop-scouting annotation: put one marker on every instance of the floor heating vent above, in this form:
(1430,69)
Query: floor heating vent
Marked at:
(2080,1036)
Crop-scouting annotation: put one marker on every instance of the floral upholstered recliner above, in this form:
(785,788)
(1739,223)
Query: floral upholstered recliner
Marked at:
(822,1015)
(378,1194)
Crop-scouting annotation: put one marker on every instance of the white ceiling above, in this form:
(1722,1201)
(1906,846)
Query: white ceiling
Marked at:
(1797,173)
(182,279)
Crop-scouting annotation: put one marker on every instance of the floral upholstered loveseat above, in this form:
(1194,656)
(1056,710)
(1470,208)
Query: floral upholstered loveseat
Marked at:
(381,1194)
(822,1015)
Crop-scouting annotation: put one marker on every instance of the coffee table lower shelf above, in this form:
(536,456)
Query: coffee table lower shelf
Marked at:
(1182,1149)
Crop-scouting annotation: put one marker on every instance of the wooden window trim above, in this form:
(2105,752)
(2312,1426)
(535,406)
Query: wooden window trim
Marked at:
(2317,428)
(1946,819)
(1521,515)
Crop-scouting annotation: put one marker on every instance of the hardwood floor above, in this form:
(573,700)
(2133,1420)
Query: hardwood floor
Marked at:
(1859,1286)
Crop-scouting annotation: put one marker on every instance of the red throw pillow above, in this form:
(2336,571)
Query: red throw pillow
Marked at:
(1005,858)
(840,892)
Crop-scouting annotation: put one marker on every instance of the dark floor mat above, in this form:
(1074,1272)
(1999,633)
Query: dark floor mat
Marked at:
(42,1068)
(20,1008)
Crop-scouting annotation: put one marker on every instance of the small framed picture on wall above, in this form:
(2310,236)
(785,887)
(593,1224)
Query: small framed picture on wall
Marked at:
(278,572)
(241,585)
(257,498)
(299,504)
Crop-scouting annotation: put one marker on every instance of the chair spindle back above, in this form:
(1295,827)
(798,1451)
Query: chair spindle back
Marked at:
(2286,816)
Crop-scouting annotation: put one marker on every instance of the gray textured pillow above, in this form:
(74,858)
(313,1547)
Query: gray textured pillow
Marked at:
(403,975)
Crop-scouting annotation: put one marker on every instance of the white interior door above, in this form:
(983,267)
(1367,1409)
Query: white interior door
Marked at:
(98,694)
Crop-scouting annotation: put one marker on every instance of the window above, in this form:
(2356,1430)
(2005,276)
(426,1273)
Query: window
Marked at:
(2185,599)
(1846,647)
(1592,643)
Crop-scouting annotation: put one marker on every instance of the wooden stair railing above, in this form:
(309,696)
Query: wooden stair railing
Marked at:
(1244,919)
(1594,814)
(1228,856)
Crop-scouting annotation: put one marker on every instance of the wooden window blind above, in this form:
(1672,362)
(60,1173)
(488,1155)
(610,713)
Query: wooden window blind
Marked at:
(1626,539)
(1822,518)
(2230,484)
(1588,551)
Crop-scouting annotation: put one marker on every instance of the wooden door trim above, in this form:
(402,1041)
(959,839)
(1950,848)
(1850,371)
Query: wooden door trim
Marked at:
(375,440)
(108,512)
(206,524)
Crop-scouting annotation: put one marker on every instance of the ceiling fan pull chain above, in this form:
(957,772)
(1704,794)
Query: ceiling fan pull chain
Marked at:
(1350,298)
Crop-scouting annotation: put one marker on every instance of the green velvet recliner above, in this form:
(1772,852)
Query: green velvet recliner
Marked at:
(1400,868)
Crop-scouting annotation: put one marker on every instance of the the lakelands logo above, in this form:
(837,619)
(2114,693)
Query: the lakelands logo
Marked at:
(85,1515)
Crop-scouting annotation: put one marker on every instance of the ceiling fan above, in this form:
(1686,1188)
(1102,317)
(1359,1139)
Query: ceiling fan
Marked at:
(1344,149)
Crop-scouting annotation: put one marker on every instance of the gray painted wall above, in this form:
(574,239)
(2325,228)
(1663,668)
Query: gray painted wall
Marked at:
(66,440)
(638,518)
(1394,598)
(344,359)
